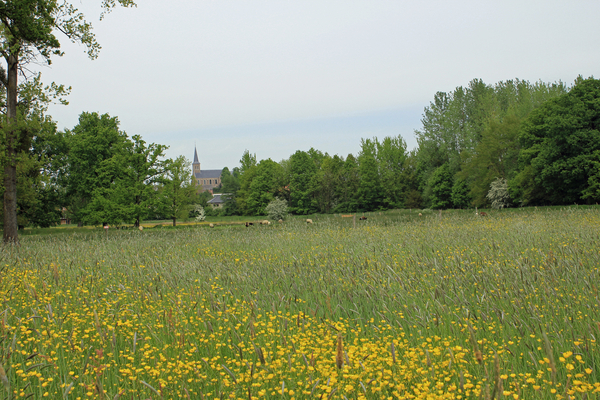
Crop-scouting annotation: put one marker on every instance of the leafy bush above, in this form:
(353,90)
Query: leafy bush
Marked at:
(277,209)
(498,193)
(199,213)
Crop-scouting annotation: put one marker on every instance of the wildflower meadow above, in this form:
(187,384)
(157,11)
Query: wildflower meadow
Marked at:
(399,306)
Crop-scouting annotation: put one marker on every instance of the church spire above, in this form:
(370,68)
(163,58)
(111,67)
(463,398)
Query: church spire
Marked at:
(196,163)
(196,156)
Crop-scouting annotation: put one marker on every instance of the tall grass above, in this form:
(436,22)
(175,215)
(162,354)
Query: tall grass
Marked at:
(400,306)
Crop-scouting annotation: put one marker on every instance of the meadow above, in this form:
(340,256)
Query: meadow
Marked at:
(399,307)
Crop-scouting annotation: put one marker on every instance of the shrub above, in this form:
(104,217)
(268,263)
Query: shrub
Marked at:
(277,209)
(498,193)
(199,213)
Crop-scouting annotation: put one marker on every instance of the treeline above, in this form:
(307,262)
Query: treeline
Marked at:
(510,144)
(96,174)
(513,143)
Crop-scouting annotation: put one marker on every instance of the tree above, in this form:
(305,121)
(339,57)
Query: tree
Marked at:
(265,186)
(36,157)
(247,161)
(326,186)
(27,34)
(441,188)
(460,194)
(347,188)
(370,195)
(496,155)
(178,190)
(560,145)
(136,186)
(96,154)
(391,156)
(230,184)
(302,169)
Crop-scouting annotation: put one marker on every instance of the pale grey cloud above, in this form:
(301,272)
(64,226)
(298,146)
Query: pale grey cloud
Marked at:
(280,76)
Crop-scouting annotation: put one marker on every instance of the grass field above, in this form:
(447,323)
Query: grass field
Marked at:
(401,306)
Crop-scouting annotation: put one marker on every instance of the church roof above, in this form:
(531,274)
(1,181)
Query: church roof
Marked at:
(196,156)
(208,173)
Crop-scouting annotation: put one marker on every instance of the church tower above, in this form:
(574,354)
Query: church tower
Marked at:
(196,163)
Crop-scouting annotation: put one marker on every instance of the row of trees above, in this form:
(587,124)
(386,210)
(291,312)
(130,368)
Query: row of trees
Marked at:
(512,143)
(27,34)
(96,174)
(533,144)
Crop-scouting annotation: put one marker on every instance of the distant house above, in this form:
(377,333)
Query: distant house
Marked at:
(207,179)
(218,200)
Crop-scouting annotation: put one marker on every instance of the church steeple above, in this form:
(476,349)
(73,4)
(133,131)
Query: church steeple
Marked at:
(196,163)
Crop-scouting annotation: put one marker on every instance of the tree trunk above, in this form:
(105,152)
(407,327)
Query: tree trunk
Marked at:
(10,170)
(174,221)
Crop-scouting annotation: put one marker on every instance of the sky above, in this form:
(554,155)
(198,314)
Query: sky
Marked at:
(274,77)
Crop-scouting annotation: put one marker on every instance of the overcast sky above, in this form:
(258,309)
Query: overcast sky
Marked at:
(274,77)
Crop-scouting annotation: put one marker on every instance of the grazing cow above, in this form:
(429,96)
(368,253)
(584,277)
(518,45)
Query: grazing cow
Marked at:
(420,215)
(482,214)
(211,225)
(265,222)
(280,221)
(249,224)
(362,218)
(309,221)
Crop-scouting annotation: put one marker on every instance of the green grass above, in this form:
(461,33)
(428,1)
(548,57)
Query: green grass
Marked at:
(456,307)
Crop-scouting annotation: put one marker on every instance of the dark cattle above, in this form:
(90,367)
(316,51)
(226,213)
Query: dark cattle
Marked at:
(362,218)
(249,224)
(482,214)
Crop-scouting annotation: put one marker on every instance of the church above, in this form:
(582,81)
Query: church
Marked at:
(207,179)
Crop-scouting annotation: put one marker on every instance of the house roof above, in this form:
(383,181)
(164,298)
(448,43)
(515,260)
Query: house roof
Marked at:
(208,173)
(216,199)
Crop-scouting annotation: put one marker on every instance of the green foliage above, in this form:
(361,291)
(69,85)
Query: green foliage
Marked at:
(264,186)
(592,192)
(347,190)
(441,188)
(27,34)
(96,150)
(496,155)
(460,194)
(369,188)
(392,157)
(247,162)
(560,142)
(302,170)
(178,190)
(475,128)
(277,209)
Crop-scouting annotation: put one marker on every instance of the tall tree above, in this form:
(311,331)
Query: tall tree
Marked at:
(370,194)
(265,186)
(441,184)
(178,190)
(136,186)
(560,146)
(347,189)
(302,169)
(96,149)
(27,34)
(391,155)
(230,184)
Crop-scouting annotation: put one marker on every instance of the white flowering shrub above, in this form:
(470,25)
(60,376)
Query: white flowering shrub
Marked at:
(277,209)
(498,194)
(199,212)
